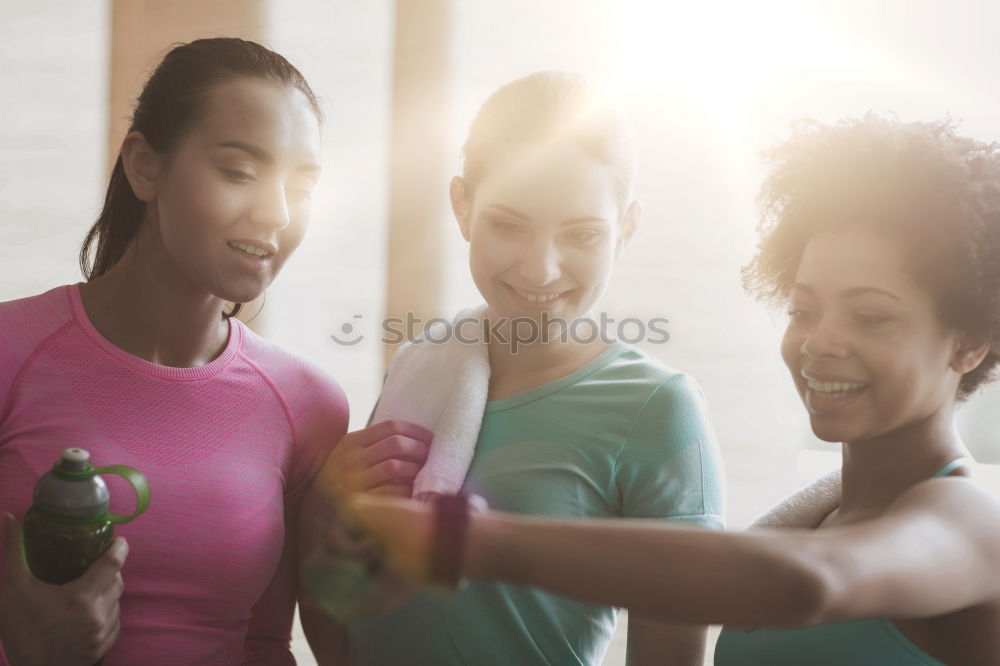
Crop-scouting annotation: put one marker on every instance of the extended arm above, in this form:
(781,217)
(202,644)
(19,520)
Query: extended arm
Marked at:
(932,552)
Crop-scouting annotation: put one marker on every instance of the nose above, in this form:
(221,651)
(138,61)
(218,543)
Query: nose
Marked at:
(541,262)
(823,339)
(271,207)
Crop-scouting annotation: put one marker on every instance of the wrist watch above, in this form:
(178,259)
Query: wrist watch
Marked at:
(451,527)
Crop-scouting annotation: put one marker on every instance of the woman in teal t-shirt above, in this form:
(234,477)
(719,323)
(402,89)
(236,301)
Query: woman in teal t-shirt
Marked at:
(883,238)
(575,426)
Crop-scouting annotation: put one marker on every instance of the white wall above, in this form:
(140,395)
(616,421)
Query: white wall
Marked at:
(344,49)
(53,125)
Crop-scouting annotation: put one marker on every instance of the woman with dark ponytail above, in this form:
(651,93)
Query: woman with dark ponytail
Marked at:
(145,365)
(166,108)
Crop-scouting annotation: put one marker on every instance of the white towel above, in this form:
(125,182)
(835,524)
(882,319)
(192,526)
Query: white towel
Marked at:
(807,508)
(441,386)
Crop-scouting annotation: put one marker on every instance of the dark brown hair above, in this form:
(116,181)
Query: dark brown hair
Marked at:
(167,107)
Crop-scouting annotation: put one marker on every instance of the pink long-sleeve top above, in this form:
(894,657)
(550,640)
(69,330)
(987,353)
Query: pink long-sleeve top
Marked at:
(227,447)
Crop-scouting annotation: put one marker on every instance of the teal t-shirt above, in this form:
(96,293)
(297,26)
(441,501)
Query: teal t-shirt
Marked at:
(868,642)
(623,436)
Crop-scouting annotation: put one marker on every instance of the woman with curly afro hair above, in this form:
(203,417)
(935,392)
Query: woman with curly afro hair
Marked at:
(883,240)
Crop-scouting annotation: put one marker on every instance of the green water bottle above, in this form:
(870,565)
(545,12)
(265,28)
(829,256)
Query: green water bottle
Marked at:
(69,525)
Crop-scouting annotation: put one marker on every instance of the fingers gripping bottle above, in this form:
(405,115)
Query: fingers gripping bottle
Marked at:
(69,525)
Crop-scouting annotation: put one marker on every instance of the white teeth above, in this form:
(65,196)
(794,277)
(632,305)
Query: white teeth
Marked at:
(249,249)
(537,298)
(834,387)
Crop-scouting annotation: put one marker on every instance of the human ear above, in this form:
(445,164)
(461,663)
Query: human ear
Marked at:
(460,205)
(630,222)
(141,164)
(970,350)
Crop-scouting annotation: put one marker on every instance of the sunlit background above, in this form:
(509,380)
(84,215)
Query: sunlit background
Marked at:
(708,84)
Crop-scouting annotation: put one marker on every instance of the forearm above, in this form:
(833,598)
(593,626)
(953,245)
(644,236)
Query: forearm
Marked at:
(8,609)
(4,612)
(665,572)
(266,652)
(653,642)
(327,638)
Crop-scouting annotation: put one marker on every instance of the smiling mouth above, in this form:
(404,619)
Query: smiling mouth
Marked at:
(536,298)
(248,250)
(830,397)
(833,390)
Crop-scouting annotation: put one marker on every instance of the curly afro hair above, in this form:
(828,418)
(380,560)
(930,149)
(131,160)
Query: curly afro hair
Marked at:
(921,182)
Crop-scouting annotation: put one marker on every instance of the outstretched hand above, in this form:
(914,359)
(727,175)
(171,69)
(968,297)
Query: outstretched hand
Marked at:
(402,528)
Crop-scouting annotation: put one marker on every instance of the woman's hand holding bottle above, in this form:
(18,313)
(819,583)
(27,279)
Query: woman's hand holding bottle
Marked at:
(69,625)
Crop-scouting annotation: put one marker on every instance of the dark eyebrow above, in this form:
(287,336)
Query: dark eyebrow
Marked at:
(262,155)
(853,292)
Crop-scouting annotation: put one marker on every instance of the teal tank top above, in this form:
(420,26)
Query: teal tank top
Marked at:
(868,642)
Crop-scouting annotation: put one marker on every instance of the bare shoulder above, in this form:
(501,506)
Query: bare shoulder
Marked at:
(963,503)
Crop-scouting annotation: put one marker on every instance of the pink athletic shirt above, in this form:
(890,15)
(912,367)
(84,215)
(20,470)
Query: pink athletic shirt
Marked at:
(227,447)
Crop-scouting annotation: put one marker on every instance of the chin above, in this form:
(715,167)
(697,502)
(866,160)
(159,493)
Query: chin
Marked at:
(834,431)
(830,435)
(238,293)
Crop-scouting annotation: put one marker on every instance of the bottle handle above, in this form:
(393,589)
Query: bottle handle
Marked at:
(138,483)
